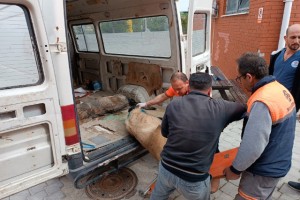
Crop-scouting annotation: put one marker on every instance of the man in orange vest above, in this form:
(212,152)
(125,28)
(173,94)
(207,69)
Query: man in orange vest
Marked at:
(179,87)
(265,153)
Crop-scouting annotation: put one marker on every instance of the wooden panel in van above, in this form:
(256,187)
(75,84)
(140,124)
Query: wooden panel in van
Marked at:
(145,75)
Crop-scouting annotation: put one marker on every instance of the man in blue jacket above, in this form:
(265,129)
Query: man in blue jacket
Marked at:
(285,66)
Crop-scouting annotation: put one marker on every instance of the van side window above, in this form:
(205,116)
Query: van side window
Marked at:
(85,38)
(19,61)
(199,37)
(147,36)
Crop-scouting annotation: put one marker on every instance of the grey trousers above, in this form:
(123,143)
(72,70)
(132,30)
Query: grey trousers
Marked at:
(256,187)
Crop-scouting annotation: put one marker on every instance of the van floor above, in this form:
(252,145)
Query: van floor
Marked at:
(102,130)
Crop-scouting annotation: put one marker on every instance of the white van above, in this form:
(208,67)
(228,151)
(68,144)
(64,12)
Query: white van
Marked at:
(51,47)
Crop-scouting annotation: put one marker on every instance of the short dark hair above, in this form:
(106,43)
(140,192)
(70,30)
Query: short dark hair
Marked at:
(200,81)
(178,76)
(253,64)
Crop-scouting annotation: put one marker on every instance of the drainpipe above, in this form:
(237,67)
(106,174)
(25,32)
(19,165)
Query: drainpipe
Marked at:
(285,22)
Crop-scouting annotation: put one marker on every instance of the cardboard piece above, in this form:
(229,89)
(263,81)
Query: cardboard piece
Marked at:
(145,75)
(221,161)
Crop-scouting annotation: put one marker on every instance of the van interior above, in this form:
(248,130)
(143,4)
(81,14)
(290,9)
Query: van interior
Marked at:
(119,48)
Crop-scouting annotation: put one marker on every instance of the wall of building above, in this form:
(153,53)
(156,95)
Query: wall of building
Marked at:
(233,35)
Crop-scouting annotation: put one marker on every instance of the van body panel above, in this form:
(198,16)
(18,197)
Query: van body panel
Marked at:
(31,142)
(50,48)
(198,36)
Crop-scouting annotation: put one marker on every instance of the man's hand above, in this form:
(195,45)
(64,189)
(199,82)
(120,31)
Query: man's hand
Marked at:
(229,175)
(141,105)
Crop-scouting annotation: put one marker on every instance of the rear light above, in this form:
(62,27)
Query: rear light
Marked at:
(70,126)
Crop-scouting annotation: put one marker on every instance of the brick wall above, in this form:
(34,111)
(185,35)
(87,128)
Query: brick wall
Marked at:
(235,34)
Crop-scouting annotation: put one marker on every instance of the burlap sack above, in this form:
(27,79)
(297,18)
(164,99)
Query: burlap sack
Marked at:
(147,130)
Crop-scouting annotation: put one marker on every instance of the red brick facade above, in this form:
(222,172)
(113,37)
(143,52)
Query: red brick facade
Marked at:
(233,35)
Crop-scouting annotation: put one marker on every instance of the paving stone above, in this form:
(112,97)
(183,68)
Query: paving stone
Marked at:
(276,194)
(18,198)
(38,196)
(223,196)
(20,195)
(53,181)
(285,189)
(74,193)
(35,189)
(216,195)
(296,157)
(236,130)
(230,189)
(50,189)
(296,164)
(294,172)
(56,196)
(65,180)
(222,182)
(235,182)
(285,197)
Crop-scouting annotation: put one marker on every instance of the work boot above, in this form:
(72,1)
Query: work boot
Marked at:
(294,185)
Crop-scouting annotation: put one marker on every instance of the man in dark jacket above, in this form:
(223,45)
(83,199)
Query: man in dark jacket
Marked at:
(285,66)
(192,125)
(265,153)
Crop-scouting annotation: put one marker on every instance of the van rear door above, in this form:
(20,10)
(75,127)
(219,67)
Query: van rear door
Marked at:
(198,36)
(31,130)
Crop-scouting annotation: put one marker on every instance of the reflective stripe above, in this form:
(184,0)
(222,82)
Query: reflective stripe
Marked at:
(70,124)
(70,131)
(245,196)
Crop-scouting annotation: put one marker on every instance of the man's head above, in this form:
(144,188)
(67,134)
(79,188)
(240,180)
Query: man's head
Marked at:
(292,37)
(251,68)
(201,81)
(180,83)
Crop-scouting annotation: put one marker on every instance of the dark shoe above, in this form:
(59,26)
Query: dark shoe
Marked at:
(294,185)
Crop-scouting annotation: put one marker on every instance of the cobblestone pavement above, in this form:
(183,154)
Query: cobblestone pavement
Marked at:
(146,170)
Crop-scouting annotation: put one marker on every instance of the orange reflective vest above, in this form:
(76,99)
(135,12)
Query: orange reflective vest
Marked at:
(276,97)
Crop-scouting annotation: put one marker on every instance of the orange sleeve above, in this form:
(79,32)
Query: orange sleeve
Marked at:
(171,92)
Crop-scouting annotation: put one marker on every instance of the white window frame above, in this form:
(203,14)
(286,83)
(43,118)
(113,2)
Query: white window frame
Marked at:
(20,62)
(237,8)
(84,41)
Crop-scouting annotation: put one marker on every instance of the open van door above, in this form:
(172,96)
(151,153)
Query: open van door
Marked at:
(31,130)
(198,36)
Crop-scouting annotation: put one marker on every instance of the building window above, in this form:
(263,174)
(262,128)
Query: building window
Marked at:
(237,6)
(214,9)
